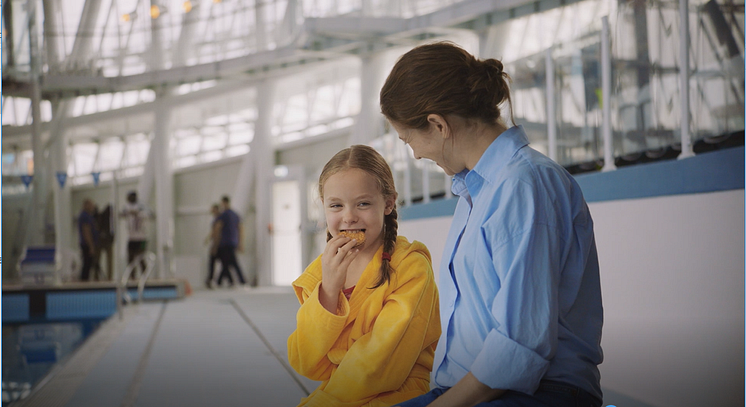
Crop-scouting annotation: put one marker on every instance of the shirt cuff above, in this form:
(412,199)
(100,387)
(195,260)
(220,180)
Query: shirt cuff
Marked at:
(505,364)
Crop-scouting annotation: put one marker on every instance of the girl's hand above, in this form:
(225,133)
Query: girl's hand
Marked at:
(337,257)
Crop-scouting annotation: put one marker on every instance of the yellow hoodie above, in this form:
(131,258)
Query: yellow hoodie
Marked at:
(378,349)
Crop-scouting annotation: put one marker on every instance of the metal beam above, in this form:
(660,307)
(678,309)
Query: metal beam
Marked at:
(353,32)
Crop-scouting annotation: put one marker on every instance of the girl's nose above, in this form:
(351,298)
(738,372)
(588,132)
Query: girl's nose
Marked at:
(349,216)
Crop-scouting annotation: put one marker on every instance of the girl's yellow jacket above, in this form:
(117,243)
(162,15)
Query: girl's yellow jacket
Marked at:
(378,349)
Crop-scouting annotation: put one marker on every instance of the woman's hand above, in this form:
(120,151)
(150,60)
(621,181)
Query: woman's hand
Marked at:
(335,260)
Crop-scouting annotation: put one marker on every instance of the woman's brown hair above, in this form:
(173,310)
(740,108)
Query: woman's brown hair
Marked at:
(369,160)
(442,78)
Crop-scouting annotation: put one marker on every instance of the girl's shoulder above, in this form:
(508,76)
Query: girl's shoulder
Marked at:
(411,259)
(404,248)
(311,276)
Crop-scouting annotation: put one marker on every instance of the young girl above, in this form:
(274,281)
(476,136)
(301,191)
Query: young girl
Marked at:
(369,320)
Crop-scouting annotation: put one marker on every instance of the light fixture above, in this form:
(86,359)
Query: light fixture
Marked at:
(281,171)
(155,11)
(129,17)
(217,1)
(187,6)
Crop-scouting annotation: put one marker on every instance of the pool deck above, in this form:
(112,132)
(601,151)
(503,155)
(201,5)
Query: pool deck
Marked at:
(223,347)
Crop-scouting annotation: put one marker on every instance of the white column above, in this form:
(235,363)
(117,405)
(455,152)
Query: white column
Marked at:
(158,28)
(551,108)
(407,177)
(240,197)
(51,40)
(263,153)
(164,218)
(63,213)
(184,47)
(425,181)
(35,226)
(368,125)
(157,171)
(146,180)
(261,26)
(606,96)
(686,141)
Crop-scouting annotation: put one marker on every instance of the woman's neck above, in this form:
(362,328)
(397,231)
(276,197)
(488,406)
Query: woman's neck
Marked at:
(481,136)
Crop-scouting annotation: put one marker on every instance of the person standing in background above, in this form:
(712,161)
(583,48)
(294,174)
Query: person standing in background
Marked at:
(137,217)
(106,241)
(213,239)
(88,238)
(230,231)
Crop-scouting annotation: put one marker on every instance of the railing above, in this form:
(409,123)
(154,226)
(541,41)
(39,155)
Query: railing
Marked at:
(608,98)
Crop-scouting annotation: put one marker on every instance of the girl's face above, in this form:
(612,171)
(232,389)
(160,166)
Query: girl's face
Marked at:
(353,202)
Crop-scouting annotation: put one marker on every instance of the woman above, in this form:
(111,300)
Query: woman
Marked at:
(520,294)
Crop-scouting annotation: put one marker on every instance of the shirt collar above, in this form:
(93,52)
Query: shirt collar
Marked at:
(494,158)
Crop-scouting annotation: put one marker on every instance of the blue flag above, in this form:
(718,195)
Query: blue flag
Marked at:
(61,178)
(96,176)
(26,179)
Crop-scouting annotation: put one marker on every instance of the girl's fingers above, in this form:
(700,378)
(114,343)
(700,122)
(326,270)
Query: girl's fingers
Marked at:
(336,242)
(333,245)
(349,245)
(349,257)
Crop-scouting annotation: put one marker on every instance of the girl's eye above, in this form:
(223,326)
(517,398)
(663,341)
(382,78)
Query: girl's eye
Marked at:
(364,203)
(335,206)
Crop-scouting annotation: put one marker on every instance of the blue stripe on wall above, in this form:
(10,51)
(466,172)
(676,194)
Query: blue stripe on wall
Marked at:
(15,307)
(721,170)
(432,209)
(81,304)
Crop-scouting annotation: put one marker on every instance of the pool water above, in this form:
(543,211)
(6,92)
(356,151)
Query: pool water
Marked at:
(31,350)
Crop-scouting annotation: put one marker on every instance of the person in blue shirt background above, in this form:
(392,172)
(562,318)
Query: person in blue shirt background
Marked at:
(230,237)
(519,280)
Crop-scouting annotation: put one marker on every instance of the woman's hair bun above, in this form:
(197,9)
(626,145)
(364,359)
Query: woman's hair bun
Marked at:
(488,88)
(493,66)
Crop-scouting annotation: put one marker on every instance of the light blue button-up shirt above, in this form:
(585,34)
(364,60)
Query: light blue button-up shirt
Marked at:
(520,295)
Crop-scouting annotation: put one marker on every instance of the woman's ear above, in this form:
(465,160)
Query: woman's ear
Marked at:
(439,125)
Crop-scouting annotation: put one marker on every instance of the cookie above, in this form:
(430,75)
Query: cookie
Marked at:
(359,236)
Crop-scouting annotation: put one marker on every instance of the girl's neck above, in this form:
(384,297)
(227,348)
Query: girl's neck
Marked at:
(361,262)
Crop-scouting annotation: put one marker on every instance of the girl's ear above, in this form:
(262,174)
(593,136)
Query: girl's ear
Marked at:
(390,205)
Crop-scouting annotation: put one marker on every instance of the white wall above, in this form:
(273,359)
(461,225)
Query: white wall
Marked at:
(672,275)
(430,231)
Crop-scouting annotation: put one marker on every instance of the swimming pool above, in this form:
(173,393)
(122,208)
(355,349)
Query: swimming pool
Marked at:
(32,349)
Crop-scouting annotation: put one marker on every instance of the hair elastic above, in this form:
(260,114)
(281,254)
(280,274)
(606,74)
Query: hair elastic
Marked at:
(385,256)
